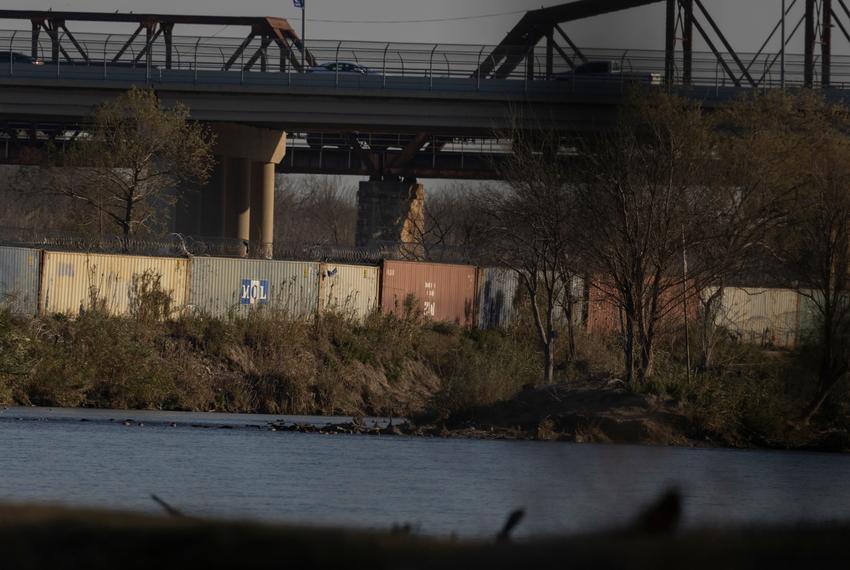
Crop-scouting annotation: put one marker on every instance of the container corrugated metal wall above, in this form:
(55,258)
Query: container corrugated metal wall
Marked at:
(442,292)
(761,316)
(810,314)
(349,289)
(497,291)
(223,286)
(69,280)
(19,277)
(578,293)
(604,314)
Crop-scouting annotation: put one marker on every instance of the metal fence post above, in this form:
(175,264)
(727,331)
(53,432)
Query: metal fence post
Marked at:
(336,64)
(105,47)
(12,59)
(478,69)
(384,67)
(58,40)
(195,63)
(431,68)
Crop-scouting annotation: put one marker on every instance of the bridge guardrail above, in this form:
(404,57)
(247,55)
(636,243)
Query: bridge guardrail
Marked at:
(392,65)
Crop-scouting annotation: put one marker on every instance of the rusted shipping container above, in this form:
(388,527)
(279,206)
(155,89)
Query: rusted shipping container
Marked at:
(604,314)
(19,278)
(72,282)
(441,292)
(497,297)
(767,317)
(222,287)
(349,289)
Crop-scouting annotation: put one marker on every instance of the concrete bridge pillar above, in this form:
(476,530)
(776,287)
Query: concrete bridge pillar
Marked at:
(238,201)
(242,193)
(390,212)
(262,206)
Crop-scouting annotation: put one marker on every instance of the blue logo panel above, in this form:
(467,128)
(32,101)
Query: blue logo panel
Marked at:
(254,292)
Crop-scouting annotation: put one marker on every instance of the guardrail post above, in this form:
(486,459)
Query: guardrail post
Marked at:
(431,68)
(478,68)
(384,67)
(12,59)
(56,39)
(105,47)
(336,64)
(195,63)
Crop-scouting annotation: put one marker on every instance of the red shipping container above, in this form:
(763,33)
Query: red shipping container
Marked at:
(438,291)
(604,312)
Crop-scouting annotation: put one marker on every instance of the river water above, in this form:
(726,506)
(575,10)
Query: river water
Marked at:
(440,486)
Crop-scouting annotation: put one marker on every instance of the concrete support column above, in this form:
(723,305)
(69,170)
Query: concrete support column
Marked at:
(390,213)
(210,224)
(262,207)
(242,204)
(188,211)
(225,197)
(246,199)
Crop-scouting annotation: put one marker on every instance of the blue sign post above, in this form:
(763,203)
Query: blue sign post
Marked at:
(303,5)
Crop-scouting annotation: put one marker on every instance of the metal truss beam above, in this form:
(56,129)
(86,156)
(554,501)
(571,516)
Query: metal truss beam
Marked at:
(156,25)
(535,24)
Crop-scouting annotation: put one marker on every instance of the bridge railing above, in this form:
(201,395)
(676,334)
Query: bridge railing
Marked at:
(390,65)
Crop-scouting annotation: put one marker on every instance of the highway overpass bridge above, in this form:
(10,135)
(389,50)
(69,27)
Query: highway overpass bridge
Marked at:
(421,111)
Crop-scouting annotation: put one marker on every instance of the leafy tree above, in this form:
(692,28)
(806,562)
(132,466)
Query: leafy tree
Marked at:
(132,159)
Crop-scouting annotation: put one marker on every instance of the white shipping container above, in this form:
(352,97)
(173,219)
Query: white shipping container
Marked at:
(72,282)
(349,289)
(221,287)
(19,275)
(769,317)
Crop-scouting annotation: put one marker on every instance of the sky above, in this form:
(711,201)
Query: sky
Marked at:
(746,22)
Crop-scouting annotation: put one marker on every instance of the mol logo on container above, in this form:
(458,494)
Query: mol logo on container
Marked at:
(254,292)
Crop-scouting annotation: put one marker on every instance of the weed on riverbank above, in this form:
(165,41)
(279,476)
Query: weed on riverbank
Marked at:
(388,365)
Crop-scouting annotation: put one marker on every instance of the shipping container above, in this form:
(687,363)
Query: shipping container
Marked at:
(605,316)
(222,287)
(349,289)
(19,277)
(502,295)
(811,313)
(441,292)
(497,294)
(72,282)
(767,317)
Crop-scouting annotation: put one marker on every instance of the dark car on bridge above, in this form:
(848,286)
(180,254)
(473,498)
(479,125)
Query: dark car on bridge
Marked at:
(607,72)
(341,67)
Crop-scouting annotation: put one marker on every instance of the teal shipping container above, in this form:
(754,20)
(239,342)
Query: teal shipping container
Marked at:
(235,287)
(19,277)
(497,293)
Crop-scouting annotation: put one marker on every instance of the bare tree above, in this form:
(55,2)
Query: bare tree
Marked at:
(133,160)
(317,210)
(814,245)
(643,192)
(532,224)
(453,228)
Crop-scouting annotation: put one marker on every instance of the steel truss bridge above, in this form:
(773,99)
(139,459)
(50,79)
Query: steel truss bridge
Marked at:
(424,110)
